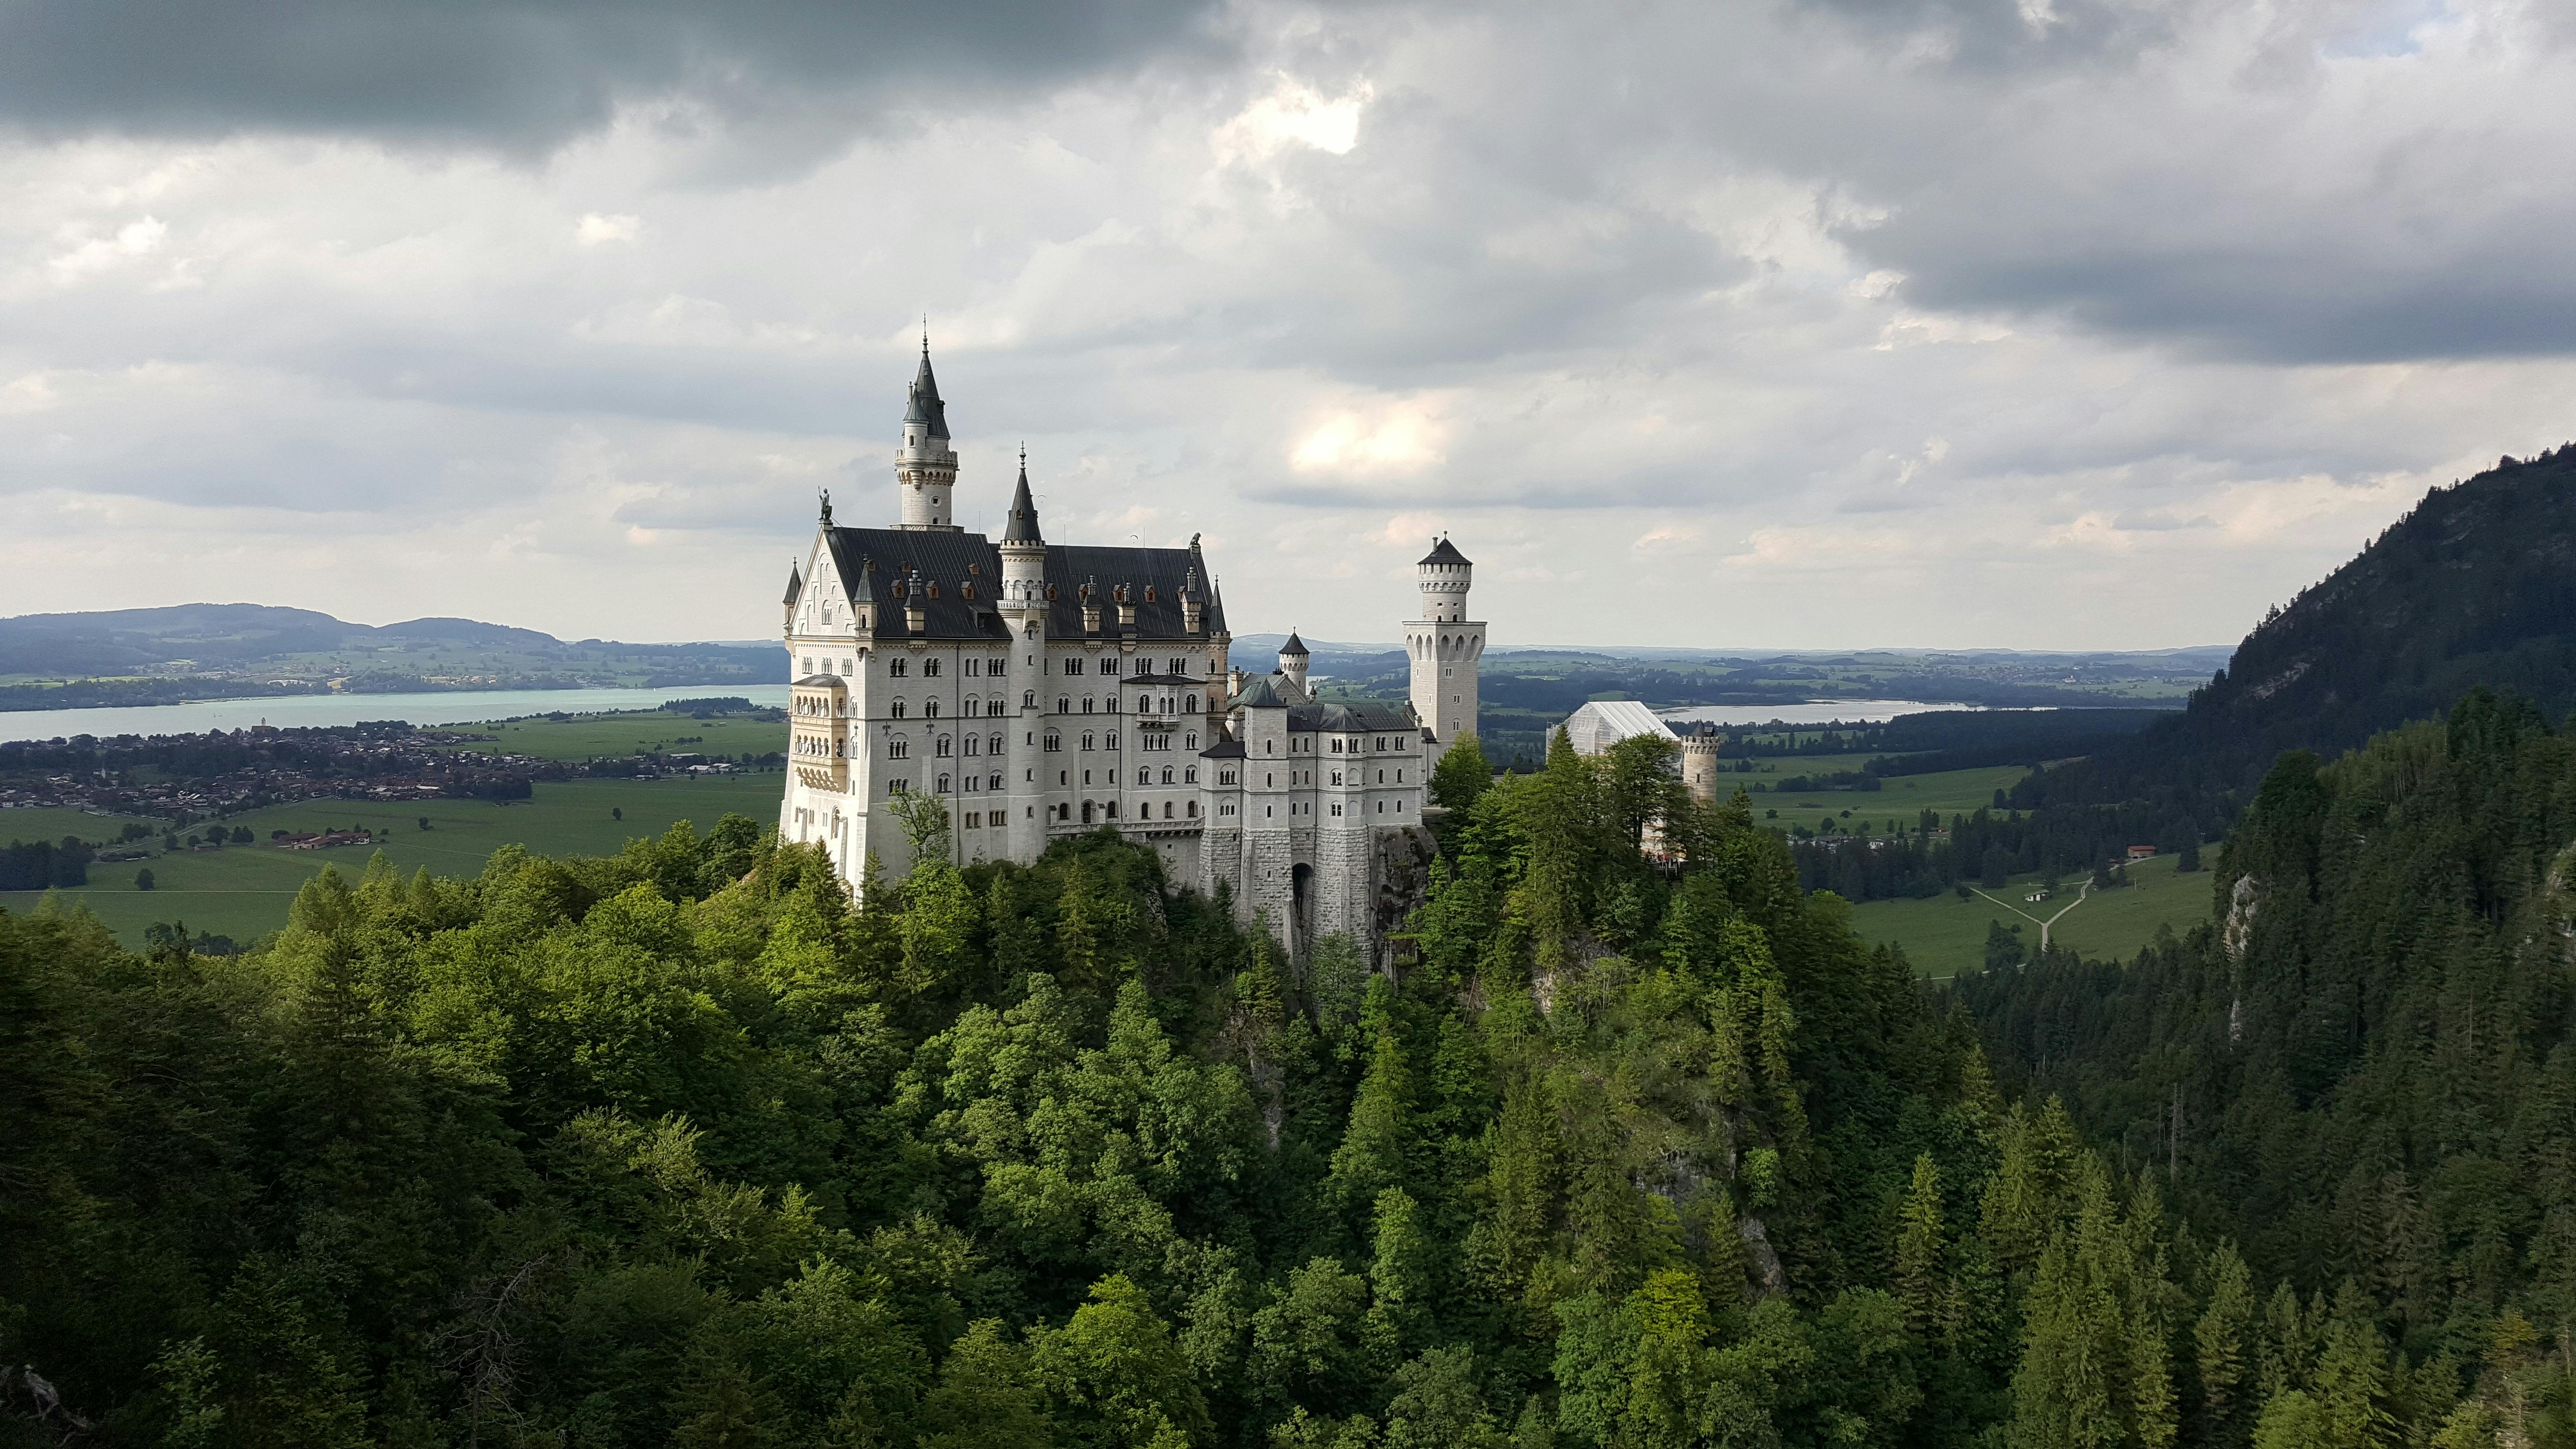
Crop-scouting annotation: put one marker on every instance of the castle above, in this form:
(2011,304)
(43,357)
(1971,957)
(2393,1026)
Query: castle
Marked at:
(1041,690)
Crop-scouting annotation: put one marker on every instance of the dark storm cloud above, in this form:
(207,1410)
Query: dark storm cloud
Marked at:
(524,78)
(2282,297)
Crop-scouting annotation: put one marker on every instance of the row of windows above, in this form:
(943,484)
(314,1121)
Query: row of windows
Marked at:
(1384,807)
(1305,745)
(995,667)
(990,708)
(1144,704)
(1109,741)
(1139,666)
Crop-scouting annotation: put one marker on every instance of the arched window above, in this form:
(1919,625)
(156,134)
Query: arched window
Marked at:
(898,709)
(992,709)
(898,749)
(1194,810)
(972,708)
(993,745)
(1142,777)
(1063,705)
(930,709)
(943,789)
(1086,704)
(1167,809)
(1190,704)
(1191,740)
(1189,774)
(1073,666)
(1054,741)
(1167,774)
(994,782)
(946,747)
(1028,699)
(972,744)
(1087,739)
(898,668)
(930,668)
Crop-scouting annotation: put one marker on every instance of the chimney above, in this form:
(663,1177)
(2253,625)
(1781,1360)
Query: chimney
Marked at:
(1127,607)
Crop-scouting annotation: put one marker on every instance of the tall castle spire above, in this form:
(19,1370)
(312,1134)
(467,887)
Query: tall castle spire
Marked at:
(925,468)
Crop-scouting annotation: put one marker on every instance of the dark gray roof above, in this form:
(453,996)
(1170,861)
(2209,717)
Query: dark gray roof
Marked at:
(924,405)
(1223,750)
(819,681)
(1258,695)
(871,560)
(1023,527)
(1294,645)
(795,585)
(1443,552)
(1351,719)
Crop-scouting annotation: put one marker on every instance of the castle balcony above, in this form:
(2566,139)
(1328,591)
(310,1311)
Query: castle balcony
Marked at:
(818,715)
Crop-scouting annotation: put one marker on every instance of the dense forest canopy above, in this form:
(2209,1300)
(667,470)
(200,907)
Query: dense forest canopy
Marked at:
(683,1147)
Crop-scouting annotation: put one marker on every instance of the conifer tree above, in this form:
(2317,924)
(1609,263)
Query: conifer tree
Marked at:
(1916,1273)
(2223,1338)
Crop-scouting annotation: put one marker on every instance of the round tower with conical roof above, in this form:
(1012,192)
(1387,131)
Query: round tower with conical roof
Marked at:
(925,467)
(1444,646)
(1292,662)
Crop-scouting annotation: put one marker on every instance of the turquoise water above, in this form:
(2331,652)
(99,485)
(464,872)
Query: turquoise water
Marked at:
(308,710)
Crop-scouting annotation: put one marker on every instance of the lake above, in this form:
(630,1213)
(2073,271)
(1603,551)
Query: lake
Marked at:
(1813,712)
(293,711)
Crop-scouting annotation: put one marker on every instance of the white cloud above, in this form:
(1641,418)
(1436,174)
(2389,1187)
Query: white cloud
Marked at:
(1790,313)
(595,229)
(97,254)
(1294,113)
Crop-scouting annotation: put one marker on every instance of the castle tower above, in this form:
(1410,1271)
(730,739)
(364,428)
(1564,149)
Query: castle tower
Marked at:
(925,468)
(1023,608)
(1700,766)
(1444,645)
(1292,662)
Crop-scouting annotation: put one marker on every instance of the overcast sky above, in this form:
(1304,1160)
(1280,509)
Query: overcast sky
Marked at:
(2033,323)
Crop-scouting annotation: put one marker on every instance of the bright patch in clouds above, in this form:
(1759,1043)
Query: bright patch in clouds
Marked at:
(596,229)
(1392,443)
(1295,114)
(98,254)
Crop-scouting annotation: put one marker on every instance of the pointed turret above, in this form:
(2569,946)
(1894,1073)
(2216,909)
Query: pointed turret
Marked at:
(795,585)
(925,467)
(1022,526)
(925,408)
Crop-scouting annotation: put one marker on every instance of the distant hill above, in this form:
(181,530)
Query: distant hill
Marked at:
(199,651)
(2475,586)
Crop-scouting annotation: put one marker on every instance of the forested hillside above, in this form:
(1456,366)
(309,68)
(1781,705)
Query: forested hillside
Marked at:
(678,1147)
(2364,1076)
(2474,588)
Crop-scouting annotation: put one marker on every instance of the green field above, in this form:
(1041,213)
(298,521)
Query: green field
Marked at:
(53,822)
(242,891)
(1944,935)
(1948,793)
(612,736)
